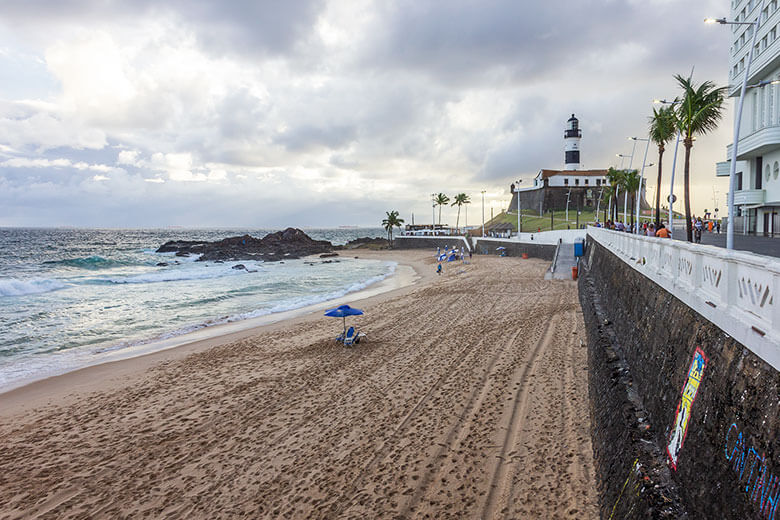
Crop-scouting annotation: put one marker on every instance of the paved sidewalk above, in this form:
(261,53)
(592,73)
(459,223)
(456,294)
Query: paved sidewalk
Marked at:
(755,244)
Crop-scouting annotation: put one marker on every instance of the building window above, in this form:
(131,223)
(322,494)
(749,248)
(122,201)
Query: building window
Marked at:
(770,104)
(576,182)
(565,182)
(776,170)
(767,173)
(586,182)
(598,182)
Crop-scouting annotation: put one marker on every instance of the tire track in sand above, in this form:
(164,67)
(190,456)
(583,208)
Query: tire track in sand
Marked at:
(498,494)
(347,498)
(473,404)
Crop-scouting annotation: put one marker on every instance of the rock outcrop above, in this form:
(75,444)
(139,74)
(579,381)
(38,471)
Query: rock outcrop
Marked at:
(287,244)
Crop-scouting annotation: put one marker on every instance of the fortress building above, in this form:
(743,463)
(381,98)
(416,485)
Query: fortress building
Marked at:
(552,188)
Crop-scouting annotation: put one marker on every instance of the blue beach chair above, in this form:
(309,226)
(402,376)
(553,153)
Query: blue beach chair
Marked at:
(351,336)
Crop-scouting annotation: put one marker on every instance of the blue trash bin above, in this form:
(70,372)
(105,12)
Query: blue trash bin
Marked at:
(579,248)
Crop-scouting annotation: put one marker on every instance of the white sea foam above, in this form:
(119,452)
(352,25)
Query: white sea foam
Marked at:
(289,305)
(16,287)
(178,274)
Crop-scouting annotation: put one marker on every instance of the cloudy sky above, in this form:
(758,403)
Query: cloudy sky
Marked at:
(322,113)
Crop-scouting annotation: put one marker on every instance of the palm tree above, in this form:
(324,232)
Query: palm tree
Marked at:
(631,185)
(460,200)
(608,193)
(615,180)
(663,126)
(389,223)
(441,200)
(699,112)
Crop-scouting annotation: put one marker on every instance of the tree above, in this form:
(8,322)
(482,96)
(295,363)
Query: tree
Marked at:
(663,127)
(615,180)
(699,112)
(389,223)
(607,194)
(631,185)
(441,200)
(460,200)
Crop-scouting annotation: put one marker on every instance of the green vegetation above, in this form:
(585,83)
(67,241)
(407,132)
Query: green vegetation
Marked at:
(440,200)
(389,223)
(662,130)
(460,200)
(699,112)
(531,221)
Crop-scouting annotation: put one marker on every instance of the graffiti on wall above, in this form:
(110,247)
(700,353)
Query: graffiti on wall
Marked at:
(761,485)
(683,415)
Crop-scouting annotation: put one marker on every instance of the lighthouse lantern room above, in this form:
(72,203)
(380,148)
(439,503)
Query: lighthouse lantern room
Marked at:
(572,137)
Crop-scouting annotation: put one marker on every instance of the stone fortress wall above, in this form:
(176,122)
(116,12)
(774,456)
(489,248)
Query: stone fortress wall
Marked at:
(685,417)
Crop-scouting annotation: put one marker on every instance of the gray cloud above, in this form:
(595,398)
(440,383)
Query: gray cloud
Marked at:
(255,110)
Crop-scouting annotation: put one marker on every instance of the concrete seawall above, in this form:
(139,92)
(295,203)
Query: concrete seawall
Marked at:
(685,418)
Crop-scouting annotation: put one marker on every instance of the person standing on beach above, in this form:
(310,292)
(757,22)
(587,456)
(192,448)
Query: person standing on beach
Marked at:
(438,269)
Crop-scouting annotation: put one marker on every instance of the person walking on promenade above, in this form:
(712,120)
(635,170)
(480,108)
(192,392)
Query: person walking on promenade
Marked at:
(717,226)
(662,232)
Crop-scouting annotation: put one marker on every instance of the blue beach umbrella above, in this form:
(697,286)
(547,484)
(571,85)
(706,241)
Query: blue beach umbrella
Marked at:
(342,311)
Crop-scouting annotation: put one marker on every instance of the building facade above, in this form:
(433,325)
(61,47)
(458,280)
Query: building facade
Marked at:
(757,193)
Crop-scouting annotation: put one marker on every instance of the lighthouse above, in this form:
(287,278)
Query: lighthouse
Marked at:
(572,137)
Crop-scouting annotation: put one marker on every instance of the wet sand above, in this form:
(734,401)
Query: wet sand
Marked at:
(467,399)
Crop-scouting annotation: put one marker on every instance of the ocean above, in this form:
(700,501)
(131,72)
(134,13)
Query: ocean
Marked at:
(75,297)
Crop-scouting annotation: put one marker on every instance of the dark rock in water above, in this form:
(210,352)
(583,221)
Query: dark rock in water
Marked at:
(326,255)
(367,243)
(290,243)
(162,264)
(239,266)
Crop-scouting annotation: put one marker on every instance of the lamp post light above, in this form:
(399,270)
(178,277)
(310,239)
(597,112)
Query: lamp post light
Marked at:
(483,212)
(733,167)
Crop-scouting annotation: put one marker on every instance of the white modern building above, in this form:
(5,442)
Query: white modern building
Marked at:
(757,194)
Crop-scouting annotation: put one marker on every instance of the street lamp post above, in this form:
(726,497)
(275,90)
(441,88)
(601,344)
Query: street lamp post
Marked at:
(433,214)
(568,197)
(519,220)
(733,167)
(483,213)
(674,166)
(617,188)
(641,177)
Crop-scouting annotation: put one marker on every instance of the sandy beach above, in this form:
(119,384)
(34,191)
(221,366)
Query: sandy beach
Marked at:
(467,399)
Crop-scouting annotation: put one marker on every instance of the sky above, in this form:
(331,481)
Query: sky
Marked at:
(316,113)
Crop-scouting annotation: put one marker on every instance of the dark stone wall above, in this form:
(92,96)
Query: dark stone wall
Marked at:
(641,343)
(555,198)
(543,251)
(428,242)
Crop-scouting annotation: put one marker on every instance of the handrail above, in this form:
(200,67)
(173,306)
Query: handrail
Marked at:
(555,256)
(737,291)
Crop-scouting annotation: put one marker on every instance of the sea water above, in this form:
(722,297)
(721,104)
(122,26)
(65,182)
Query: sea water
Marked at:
(70,296)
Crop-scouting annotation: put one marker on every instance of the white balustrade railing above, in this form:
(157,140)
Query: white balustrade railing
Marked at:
(735,290)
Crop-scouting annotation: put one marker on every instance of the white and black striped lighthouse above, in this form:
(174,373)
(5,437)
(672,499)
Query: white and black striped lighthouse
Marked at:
(572,137)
